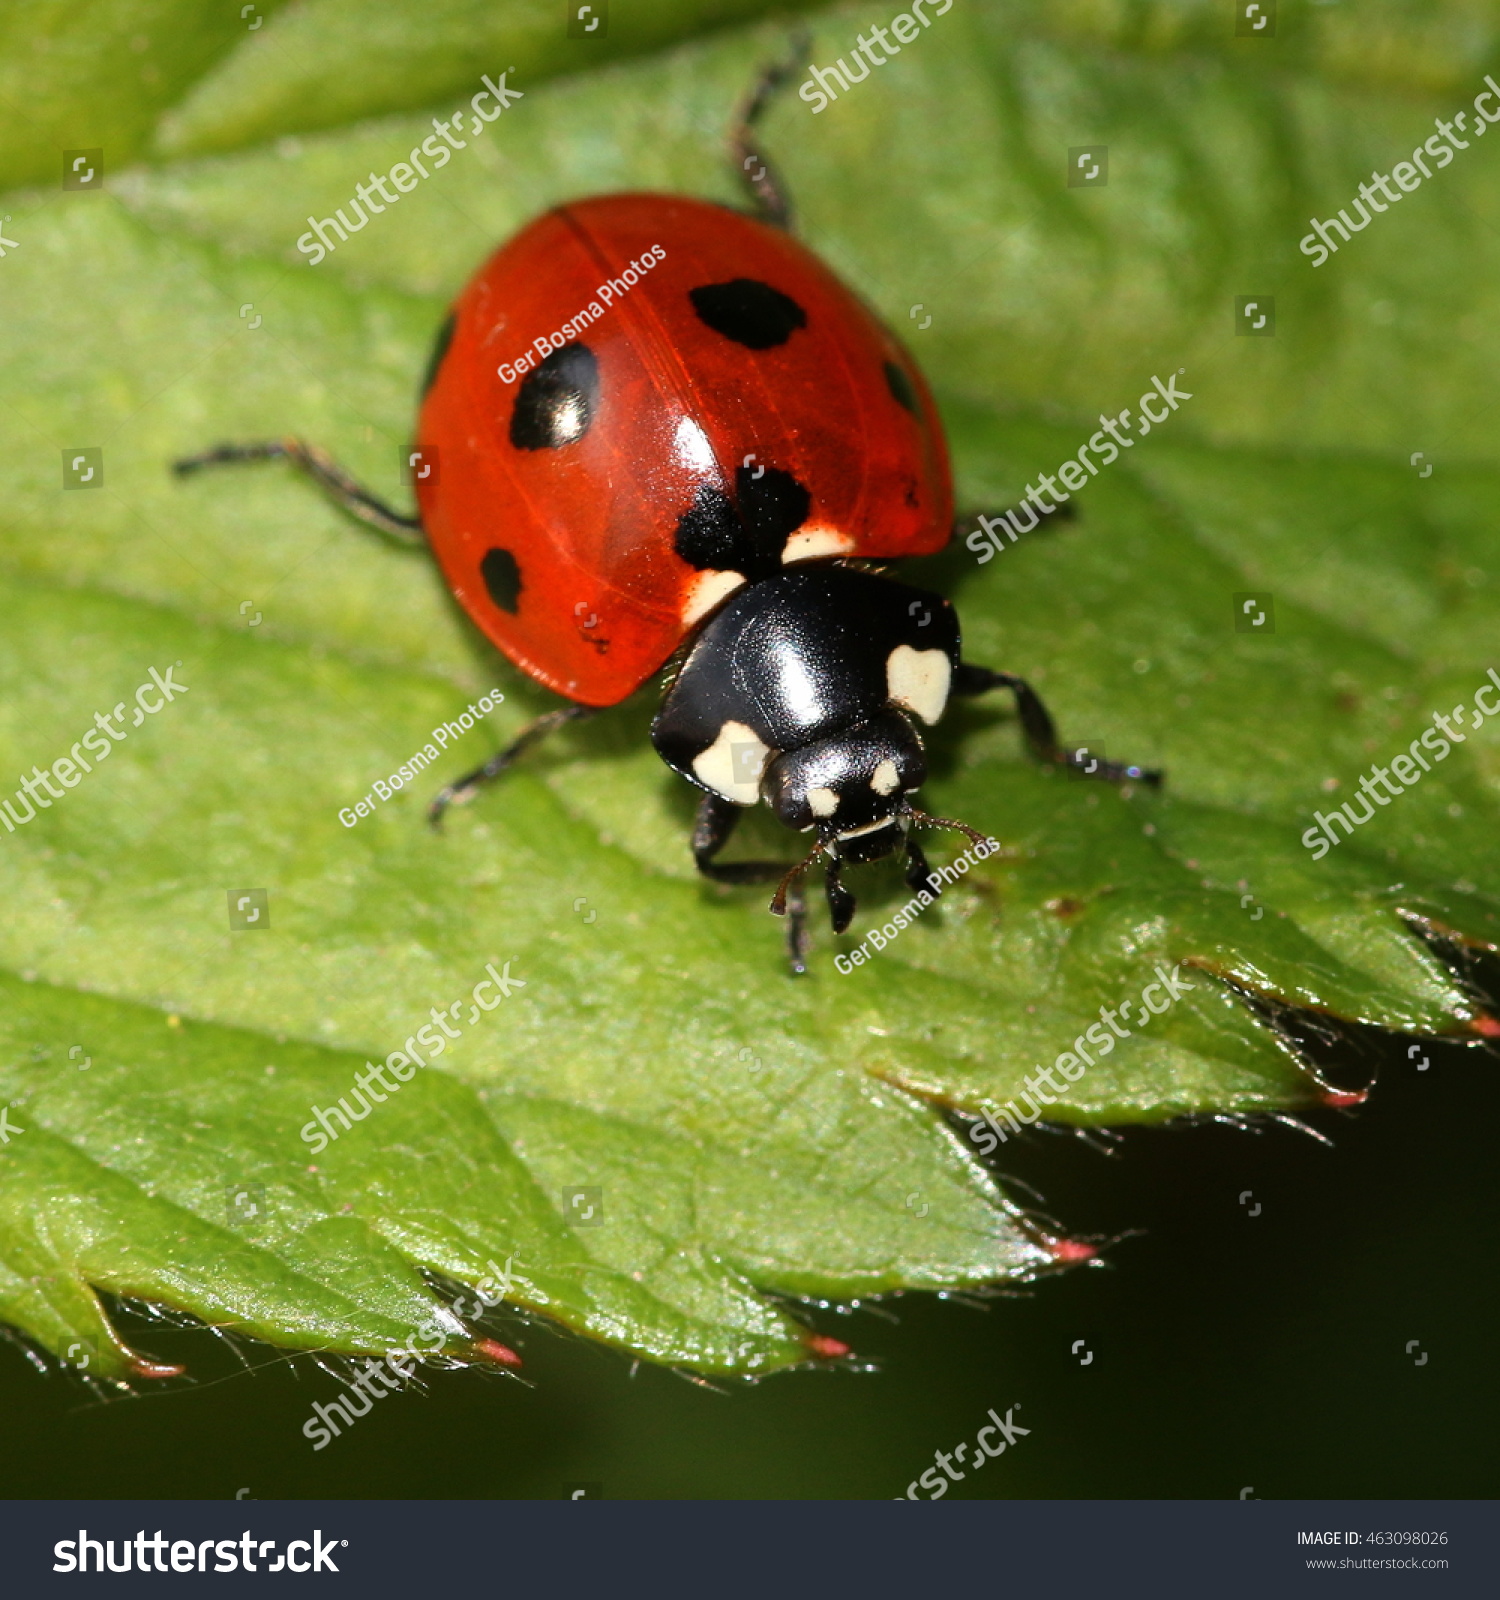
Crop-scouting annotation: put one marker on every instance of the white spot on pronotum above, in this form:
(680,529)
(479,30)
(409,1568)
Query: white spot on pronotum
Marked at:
(706,590)
(885,779)
(918,680)
(822,802)
(812,544)
(732,765)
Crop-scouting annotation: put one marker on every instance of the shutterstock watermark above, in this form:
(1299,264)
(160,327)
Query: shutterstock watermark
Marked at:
(384,788)
(315,244)
(821,80)
(1441,146)
(187,1555)
(403,1064)
(99,741)
(985,540)
(879,938)
(1072,1064)
(1408,768)
(937,1478)
(377,1379)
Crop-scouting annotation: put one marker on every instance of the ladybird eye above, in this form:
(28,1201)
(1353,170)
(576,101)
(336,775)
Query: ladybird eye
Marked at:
(556,403)
(749,312)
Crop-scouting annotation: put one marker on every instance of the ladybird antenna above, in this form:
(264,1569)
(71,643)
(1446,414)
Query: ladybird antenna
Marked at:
(778,900)
(974,836)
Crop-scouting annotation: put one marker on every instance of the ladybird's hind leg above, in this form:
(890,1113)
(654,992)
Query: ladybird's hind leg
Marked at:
(336,483)
(998,530)
(464,790)
(716,820)
(765,185)
(1041,735)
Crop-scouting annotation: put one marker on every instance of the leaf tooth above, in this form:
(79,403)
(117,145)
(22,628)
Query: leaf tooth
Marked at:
(824,1347)
(492,1351)
(120,1355)
(1473,964)
(1339,1056)
(143,1367)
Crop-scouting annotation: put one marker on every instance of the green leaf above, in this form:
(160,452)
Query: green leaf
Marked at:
(747,1140)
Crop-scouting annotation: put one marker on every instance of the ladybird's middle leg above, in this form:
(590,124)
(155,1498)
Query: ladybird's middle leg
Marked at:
(1040,732)
(464,790)
(767,188)
(336,483)
(715,822)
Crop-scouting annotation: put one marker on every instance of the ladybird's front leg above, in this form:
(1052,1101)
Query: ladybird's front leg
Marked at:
(797,941)
(1040,732)
(918,872)
(716,820)
(841,903)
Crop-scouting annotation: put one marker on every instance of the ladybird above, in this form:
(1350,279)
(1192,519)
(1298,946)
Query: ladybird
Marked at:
(658,432)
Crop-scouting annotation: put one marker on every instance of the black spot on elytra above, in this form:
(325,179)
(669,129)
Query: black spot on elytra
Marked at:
(502,577)
(900,386)
(748,533)
(749,312)
(439,350)
(556,402)
(709,533)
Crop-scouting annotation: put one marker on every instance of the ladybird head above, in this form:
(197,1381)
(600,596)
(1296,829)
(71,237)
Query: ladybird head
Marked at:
(851,787)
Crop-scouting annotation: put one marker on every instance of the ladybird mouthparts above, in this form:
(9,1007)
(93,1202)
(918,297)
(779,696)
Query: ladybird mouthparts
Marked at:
(873,827)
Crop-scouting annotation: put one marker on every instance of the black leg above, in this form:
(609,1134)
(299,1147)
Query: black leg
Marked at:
(767,189)
(967,522)
(1040,733)
(339,486)
(460,793)
(917,870)
(716,820)
(796,928)
(840,901)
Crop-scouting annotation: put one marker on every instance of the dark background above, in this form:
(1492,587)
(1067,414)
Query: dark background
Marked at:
(1229,1351)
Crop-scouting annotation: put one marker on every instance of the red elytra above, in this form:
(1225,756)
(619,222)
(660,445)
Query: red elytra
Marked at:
(603,597)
